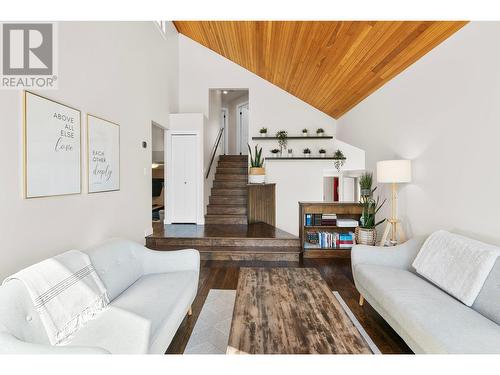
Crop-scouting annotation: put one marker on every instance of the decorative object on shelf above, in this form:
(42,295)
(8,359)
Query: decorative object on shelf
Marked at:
(290,153)
(52,155)
(320,132)
(263,132)
(322,153)
(304,132)
(393,172)
(307,153)
(257,173)
(282,137)
(339,160)
(103,153)
(366,233)
(275,152)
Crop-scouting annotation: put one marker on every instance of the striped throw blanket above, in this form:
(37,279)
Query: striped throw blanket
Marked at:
(66,292)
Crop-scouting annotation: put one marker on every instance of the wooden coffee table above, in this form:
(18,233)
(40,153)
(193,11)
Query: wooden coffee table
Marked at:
(290,311)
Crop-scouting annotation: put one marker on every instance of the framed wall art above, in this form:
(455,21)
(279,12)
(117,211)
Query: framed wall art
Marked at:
(51,147)
(103,150)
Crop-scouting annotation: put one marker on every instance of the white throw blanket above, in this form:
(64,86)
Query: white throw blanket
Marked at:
(456,264)
(66,292)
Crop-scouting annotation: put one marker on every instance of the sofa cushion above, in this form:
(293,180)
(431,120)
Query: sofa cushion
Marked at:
(487,302)
(436,321)
(118,263)
(131,324)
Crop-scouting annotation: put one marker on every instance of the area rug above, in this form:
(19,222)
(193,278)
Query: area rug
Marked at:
(211,331)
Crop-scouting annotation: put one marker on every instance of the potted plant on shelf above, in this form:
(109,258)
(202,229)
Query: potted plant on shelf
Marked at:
(366,233)
(322,152)
(307,153)
(339,160)
(257,173)
(290,153)
(263,132)
(320,132)
(275,152)
(304,132)
(282,137)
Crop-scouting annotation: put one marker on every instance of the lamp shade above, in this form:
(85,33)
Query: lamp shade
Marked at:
(394,171)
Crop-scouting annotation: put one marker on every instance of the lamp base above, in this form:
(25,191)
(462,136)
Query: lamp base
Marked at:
(397,233)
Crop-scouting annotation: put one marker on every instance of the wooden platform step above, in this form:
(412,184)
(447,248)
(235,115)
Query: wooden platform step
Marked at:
(228,184)
(225,209)
(243,171)
(232,164)
(226,219)
(231,177)
(182,242)
(233,158)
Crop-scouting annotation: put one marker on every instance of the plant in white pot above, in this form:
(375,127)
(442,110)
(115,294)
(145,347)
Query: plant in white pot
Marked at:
(339,160)
(257,173)
(263,132)
(366,233)
(322,153)
(304,132)
(307,153)
(275,152)
(320,132)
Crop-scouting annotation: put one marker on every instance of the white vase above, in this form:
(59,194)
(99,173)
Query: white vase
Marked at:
(304,134)
(263,134)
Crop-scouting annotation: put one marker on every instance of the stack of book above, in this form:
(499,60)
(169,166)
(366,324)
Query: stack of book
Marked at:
(313,220)
(329,219)
(328,239)
(343,223)
(346,240)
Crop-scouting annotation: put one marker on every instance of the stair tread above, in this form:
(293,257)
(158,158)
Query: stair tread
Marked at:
(239,249)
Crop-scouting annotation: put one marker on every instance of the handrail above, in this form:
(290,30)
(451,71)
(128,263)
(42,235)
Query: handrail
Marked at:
(214,151)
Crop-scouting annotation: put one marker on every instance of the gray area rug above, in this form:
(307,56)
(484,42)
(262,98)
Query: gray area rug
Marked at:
(211,331)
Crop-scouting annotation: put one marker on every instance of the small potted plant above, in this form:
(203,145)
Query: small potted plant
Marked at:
(307,153)
(290,153)
(366,233)
(339,159)
(304,132)
(275,152)
(257,173)
(282,137)
(320,132)
(263,132)
(322,153)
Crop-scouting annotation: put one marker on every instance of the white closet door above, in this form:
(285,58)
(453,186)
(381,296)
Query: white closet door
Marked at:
(184,187)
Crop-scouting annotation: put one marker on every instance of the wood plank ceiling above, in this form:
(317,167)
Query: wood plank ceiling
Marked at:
(332,65)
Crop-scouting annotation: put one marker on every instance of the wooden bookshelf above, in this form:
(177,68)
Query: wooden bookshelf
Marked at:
(343,210)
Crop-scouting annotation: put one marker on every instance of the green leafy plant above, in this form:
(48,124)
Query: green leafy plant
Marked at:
(282,137)
(320,131)
(306,151)
(258,160)
(339,159)
(370,206)
(322,151)
(263,131)
(304,130)
(275,150)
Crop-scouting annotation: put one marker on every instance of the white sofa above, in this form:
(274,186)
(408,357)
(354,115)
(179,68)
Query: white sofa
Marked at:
(426,317)
(150,293)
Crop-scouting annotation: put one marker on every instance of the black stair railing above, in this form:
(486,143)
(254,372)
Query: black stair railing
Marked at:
(214,151)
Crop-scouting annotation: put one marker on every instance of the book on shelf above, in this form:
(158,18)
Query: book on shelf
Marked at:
(328,240)
(329,219)
(344,223)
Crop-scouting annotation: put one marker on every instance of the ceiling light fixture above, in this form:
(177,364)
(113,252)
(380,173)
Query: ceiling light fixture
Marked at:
(225,92)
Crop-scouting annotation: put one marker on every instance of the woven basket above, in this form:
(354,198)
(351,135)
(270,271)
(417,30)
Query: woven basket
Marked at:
(366,236)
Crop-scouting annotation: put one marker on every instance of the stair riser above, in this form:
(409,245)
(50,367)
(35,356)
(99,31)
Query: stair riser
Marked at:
(167,243)
(230,184)
(229,192)
(262,257)
(240,171)
(233,158)
(231,164)
(225,177)
(221,200)
(225,220)
(226,210)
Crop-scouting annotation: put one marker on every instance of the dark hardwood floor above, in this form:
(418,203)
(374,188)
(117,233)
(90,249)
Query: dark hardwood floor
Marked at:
(337,274)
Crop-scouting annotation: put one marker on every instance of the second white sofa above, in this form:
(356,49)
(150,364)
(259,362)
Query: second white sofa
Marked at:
(150,293)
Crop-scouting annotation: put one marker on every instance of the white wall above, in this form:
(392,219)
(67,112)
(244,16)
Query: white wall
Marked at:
(125,72)
(201,69)
(443,112)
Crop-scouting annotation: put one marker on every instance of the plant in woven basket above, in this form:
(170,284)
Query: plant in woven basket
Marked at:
(256,161)
(257,173)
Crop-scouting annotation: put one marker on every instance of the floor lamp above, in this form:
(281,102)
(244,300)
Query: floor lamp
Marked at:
(393,172)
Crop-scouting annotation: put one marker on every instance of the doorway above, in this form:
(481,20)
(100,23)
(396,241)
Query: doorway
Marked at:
(157,173)
(235,120)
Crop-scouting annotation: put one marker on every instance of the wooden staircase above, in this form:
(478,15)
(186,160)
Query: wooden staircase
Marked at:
(228,199)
